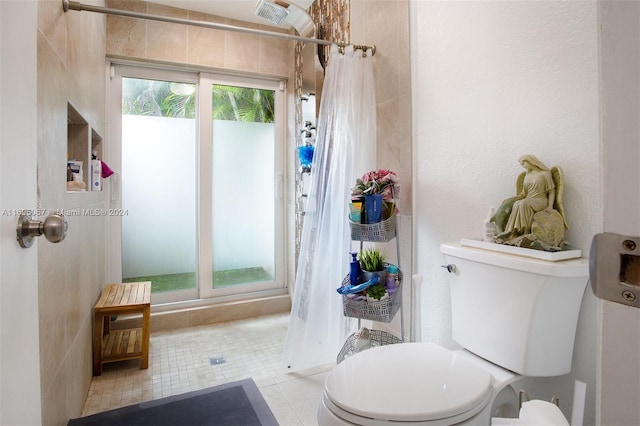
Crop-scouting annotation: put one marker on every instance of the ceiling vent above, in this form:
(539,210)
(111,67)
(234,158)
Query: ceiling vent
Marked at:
(274,12)
(288,14)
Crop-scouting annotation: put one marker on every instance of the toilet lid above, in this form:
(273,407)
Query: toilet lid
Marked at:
(408,382)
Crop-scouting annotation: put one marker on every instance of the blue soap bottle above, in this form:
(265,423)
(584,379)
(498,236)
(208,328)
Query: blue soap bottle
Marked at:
(354,270)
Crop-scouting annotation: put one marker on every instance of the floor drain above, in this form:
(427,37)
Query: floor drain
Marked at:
(217,360)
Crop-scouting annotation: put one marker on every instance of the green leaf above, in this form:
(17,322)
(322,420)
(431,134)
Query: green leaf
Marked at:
(371,259)
(376,291)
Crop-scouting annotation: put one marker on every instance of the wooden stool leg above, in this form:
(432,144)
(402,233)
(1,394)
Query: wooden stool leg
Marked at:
(106,325)
(144,356)
(98,325)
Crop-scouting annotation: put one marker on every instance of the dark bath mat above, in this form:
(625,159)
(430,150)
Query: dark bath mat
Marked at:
(239,404)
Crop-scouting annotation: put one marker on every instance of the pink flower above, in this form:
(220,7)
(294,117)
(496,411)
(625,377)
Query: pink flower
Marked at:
(381,181)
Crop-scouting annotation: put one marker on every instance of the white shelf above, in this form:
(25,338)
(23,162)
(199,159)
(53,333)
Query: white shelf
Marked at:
(82,140)
(526,252)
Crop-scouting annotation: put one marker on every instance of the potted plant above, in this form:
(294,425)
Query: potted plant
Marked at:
(372,263)
(377,292)
(377,189)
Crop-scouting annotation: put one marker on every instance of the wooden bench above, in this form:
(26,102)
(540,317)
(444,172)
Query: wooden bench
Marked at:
(119,345)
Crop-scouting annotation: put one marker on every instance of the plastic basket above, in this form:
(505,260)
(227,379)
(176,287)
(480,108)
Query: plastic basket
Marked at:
(383,231)
(381,311)
(376,338)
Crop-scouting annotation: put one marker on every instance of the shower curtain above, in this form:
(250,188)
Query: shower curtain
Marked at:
(345,149)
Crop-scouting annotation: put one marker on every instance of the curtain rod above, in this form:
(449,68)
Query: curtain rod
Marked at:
(74,5)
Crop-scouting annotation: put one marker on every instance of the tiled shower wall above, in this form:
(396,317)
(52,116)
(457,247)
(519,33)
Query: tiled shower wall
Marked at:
(71,68)
(385,24)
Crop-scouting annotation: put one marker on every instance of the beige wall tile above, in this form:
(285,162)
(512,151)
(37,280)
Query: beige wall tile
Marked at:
(405,152)
(386,36)
(404,47)
(386,26)
(165,41)
(206,46)
(242,51)
(388,129)
(52,26)
(127,36)
(274,55)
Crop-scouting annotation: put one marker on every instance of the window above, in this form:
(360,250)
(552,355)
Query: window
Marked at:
(201,163)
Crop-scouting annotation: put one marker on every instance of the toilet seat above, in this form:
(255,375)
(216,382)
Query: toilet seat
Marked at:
(408,382)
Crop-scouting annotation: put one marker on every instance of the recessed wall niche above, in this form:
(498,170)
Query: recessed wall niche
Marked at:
(82,142)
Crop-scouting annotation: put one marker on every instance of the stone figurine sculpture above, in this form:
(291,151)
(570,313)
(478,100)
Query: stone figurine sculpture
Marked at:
(534,217)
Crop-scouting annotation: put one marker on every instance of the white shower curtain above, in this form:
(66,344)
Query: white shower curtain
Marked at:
(345,149)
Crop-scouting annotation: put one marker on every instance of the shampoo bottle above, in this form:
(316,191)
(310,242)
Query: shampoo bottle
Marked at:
(96,172)
(354,270)
(490,229)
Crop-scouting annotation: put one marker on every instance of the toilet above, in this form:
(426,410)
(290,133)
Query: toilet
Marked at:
(514,316)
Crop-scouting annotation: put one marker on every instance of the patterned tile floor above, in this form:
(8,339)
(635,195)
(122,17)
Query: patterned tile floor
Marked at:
(194,358)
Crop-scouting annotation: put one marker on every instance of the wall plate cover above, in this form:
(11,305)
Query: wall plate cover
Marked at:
(614,268)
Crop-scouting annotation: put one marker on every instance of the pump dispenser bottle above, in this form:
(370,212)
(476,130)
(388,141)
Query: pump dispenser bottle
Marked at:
(354,270)
(490,230)
(96,172)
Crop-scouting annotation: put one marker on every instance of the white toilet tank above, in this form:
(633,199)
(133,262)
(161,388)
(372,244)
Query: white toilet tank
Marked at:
(517,312)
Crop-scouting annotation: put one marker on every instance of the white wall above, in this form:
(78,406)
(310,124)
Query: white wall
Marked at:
(491,81)
(20,402)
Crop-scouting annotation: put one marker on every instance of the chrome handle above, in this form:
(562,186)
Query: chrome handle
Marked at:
(451,268)
(54,229)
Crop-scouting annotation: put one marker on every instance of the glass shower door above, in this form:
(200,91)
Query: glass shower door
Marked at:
(159,186)
(244,185)
(201,163)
